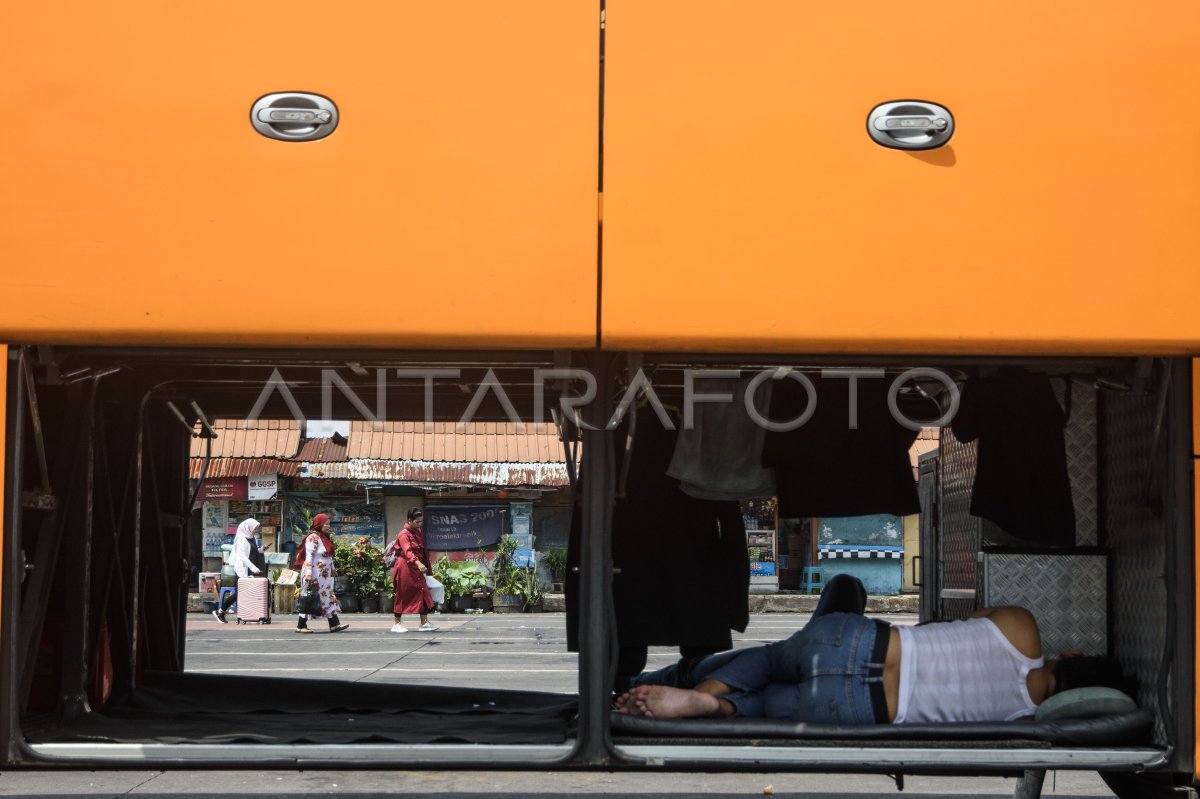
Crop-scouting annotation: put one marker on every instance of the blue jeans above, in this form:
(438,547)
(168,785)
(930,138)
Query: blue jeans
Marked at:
(823,673)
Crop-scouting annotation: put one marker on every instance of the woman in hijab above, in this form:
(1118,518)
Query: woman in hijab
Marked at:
(239,559)
(408,575)
(317,553)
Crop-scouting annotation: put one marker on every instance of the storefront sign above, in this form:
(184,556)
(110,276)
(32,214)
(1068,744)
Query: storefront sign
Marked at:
(262,486)
(223,488)
(463,526)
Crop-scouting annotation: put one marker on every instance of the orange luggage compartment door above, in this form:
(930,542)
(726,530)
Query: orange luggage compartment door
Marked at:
(747,208)
(454,205)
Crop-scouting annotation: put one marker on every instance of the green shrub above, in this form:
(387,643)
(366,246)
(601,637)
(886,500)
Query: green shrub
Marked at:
(360,562)
(460,577)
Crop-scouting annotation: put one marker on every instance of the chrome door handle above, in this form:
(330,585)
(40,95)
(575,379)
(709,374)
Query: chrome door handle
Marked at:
(910,125)
(294,116)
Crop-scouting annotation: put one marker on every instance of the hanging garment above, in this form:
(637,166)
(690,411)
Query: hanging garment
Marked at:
(721,456)
(684,571)
(1021,479)
(827,467)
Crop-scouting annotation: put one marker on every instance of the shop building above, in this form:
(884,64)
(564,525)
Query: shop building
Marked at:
(480,481)
(476,482)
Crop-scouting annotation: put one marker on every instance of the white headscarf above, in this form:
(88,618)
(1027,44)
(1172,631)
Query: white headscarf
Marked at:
(243,544)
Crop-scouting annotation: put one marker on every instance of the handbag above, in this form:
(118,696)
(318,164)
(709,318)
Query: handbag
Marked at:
(258,558)
(436,590)
(310,600)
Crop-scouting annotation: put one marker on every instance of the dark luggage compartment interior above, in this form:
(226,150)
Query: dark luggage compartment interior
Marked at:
(1130,485)
(230,708)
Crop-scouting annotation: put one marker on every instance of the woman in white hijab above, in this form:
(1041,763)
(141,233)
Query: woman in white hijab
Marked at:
(239,559)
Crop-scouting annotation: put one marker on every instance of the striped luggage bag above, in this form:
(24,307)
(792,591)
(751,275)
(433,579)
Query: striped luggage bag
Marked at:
(254,600)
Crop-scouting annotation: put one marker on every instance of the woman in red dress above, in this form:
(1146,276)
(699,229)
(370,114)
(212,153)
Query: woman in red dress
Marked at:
(408,575)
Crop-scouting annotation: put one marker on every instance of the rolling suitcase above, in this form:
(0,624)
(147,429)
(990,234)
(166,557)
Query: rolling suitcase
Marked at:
(254,600)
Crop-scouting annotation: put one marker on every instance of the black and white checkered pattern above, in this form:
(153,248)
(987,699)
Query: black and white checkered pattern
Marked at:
(897,554)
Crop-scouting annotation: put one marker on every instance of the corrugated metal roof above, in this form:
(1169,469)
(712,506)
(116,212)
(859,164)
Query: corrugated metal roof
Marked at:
(476,442)
(242,467)
(480,453)
(321,450)
(455,473)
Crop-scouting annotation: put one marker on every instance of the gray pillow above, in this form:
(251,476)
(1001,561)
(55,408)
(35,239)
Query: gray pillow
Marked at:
(1084,703)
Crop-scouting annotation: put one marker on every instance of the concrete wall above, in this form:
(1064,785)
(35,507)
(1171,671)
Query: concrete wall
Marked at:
(912,548)
(396,513)
(881,576)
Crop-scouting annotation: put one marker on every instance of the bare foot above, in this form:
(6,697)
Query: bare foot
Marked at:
(665,702)
(626,704)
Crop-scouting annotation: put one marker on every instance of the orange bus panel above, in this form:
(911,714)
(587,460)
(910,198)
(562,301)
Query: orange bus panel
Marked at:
(454,204)
(3,454)
(746,207)
(1196,406)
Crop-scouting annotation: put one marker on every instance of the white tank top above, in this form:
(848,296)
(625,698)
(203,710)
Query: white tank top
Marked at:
(962,671)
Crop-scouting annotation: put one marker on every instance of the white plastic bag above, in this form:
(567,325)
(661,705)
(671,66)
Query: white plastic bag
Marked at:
(436,589)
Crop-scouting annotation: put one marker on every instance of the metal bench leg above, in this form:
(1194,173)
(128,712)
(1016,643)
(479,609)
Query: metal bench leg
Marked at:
(1030,785)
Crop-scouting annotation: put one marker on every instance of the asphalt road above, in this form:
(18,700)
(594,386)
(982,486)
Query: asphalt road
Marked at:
(516,651)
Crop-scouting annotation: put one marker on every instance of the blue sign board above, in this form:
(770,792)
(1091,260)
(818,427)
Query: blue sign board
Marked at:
(450,527)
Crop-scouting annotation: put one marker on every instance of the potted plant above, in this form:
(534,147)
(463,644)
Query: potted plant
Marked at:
(357,565)
(532,591)
(508,579)
(375,581)
(463,580)
(384,588)
(555,561)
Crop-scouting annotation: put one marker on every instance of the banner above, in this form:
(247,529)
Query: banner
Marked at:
(464,526)
(349,516)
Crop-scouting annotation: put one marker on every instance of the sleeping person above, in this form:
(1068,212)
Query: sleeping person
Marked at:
(843,668)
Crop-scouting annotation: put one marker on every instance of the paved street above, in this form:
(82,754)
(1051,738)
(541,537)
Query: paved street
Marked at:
(517,651)
(522,651)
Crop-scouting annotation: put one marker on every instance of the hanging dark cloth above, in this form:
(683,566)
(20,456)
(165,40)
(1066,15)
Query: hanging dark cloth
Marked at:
(1021,479)
(826,468)
(684,572)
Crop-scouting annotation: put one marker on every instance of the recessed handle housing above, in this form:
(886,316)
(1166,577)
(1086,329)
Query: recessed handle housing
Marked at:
(294,116)
(910,125)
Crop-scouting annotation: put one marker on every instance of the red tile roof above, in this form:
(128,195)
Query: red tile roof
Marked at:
(266,438)
(476,442)
(927,441)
